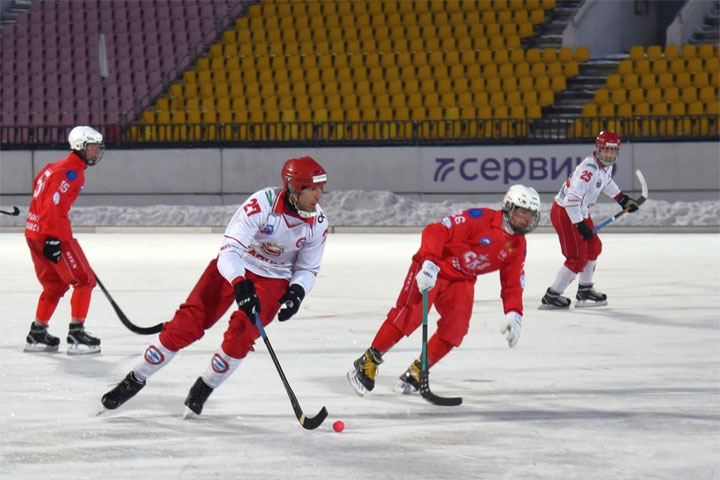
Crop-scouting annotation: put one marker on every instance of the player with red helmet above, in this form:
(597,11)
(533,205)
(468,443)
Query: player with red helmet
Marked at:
(268,261)
(570,216)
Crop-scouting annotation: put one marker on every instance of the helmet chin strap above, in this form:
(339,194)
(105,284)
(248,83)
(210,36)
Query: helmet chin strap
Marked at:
(293,205)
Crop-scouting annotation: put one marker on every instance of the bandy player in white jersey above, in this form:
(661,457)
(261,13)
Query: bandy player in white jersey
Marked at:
(570,216)
(269,258)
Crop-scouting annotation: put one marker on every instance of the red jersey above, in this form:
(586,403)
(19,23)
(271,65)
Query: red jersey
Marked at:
(473,243)
(55,189)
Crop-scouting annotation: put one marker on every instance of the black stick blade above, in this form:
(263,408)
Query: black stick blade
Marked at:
(435,399)
(311,423)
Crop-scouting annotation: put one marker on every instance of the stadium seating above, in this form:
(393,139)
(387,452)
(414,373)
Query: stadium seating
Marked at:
(662,84)
(383,58)
(50,70)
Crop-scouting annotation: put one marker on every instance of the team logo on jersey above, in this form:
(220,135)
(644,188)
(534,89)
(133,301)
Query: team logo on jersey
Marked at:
(154,356)
(599,183)
(475,213)
(485,241)
(272,249)
(267,230)
(56,198)
(71,175)
(219,365)
(301,242)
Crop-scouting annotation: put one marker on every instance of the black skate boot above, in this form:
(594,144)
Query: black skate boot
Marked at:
(553,300)
(39,340)
(410,380)
(81,342)
(587,296)
(362,375)
(197,396)
(122,392)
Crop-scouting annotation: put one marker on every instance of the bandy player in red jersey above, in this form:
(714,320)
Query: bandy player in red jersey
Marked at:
(452,254)
(269,258)
(570,216)
(59,261)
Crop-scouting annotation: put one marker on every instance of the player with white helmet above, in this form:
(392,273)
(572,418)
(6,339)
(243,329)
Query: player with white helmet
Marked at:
(570,216)
(452,254)
(268,261)
(58,259)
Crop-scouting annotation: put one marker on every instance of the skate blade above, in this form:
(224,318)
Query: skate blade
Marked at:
(39,348)
(358,387)
(188,414)
(552,307)
(405,388)
(586,304)
(83,349)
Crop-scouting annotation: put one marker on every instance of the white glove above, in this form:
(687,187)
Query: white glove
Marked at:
(427,276)
(512,325)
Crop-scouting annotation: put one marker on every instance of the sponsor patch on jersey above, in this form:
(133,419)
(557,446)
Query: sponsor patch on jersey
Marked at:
(219,365)
(71,175)
(272,249)
(267,230)
(154,356)
(485,241)
(447,222)
(56,198)
(475,213)
(599,183)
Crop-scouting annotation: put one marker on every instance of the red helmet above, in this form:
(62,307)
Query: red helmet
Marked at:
(607,147)
(298,173)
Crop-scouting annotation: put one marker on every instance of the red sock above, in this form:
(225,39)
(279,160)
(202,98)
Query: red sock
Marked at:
(437,348)
(386,337)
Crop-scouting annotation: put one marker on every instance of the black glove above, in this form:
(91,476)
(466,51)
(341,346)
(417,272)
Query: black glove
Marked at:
(626,202)
(246,298)
(584,230)
(51,250)
(291,302)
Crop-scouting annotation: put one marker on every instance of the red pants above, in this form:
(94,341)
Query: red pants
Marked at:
(211,297)
(56,278)
(576,251)
(453,300)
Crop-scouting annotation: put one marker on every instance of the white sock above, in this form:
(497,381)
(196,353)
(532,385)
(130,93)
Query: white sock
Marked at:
(563,279)
(221,367)
(586,275)
(155,357)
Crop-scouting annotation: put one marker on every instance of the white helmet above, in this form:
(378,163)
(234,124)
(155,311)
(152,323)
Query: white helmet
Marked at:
(79,139)
(527,198)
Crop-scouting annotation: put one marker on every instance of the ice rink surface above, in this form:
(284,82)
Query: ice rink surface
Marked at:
(627,391)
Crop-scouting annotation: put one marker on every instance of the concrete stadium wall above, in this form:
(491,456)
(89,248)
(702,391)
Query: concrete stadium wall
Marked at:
(674,171)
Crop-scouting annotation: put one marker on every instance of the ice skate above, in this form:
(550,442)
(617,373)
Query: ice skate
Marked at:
(362,375)
(409,381)
(587,296)
(81,342)
(554,301)
(197,396)
(122,392)
(39,340)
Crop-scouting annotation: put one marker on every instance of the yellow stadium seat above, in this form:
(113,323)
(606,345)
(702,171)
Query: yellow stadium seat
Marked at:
(671,94)
(636,95)
(688,51)
(619,95)
(647,80)
(653,95)
(602,95)
(671,51)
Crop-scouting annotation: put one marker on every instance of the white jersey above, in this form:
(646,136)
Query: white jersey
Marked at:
(581,191)
(266,239)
